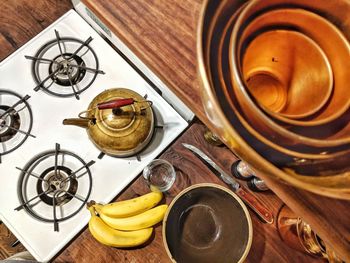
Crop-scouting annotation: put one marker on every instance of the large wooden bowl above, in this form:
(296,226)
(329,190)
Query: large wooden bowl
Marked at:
(333,133)
(337,50)
(337,186)
(306,160)
(221,20)
(286,72)
(330,161)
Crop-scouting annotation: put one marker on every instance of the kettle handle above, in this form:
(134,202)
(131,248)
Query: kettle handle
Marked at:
(117,103)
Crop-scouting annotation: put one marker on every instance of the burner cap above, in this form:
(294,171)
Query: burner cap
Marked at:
(58,180)
(16,121)
(11,120)
(67,68)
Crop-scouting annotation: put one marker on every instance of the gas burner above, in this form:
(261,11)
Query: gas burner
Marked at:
(60,67)
(9,124)
(16,121)
(54,186)
(67,69)
(59,181)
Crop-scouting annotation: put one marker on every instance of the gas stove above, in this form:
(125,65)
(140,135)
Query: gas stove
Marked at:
(49,171)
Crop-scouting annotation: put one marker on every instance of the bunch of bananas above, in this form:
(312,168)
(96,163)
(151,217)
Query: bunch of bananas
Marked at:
(126,223)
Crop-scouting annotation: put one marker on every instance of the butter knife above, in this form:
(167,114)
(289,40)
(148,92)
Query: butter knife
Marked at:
(256,205)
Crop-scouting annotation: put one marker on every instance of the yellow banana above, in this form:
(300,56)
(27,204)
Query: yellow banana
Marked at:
(140,221)
(130,207)
(115,238)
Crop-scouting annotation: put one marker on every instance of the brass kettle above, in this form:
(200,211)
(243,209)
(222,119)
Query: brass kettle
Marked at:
(119,121)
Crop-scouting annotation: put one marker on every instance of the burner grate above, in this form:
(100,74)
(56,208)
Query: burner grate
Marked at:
(54,186)
(61,66)
(16,121)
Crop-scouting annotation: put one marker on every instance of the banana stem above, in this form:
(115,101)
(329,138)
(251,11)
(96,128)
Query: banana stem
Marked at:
(98,208)
(92,210)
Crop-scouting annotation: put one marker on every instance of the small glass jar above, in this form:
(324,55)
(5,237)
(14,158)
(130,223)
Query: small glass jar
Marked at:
(160,175)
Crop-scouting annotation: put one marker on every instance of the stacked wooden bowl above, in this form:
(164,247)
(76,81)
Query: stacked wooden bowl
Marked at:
(275,77)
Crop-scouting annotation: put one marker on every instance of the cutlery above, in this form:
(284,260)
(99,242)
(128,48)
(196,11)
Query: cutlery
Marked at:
(249,199)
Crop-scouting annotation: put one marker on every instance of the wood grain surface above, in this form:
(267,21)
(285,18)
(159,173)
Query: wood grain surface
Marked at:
(6,239)
(267,245)
(20,20)
(163,35)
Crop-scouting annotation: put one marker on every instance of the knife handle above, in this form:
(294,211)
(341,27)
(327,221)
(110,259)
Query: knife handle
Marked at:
(257,206)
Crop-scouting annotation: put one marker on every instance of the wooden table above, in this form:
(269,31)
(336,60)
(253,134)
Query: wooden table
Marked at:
(162,33)
(267,245)
(21,20)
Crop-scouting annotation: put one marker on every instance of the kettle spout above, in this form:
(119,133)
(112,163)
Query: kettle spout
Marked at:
(83,123)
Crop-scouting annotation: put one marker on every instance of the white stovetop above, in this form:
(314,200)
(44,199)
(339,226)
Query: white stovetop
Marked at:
(110,175)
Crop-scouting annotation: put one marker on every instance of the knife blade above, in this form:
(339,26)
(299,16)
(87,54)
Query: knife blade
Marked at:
(249,199)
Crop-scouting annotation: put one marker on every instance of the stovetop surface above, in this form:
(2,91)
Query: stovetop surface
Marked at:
(110,175)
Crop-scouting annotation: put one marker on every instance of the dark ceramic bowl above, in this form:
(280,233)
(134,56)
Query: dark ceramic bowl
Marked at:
(207,223)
